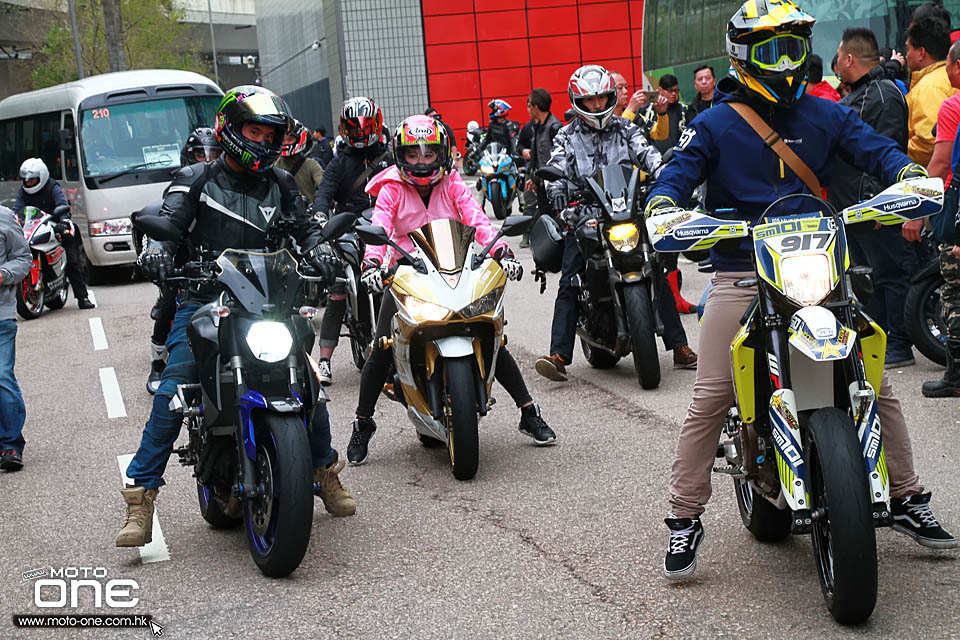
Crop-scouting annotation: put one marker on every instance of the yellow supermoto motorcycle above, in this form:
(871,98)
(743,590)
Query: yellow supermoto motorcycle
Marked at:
(803,443)
(447,332)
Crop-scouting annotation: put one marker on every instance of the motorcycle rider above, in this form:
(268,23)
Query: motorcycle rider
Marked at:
(229,203)
(295,160)
(501,129)
(742,173)
(420,188)
(592,141)
(39,191)
(362,154)
(201,146)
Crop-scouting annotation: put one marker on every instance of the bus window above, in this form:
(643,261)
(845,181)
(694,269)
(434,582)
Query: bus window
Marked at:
(71,171)
(9,166)
(48,142)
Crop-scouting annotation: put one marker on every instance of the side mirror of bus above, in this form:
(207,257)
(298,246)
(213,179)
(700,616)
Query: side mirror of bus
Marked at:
(66,139)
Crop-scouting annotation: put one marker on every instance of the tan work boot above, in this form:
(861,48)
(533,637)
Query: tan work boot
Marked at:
(326,484)
(138,529)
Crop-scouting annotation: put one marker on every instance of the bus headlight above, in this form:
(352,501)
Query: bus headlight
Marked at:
(423,311)
(111,227)
(806,279)
(624,237)
(269,341)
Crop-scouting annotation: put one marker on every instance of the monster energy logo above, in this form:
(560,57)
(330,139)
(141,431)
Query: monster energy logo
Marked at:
(246,157)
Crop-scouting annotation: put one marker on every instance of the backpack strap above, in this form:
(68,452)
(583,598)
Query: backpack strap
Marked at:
(773,140)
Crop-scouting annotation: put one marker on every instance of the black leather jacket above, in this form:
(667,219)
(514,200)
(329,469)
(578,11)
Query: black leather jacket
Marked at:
(341,185)
(212,208)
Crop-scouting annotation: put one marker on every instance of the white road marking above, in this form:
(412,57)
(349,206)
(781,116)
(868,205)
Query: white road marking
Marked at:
(90,295)
(111,393)
(99,337)
(156,550)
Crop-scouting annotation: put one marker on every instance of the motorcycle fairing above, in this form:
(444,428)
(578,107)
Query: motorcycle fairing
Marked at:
(817,334)
(777,242)
(685,230)
(743,362)
(785,430)
(873,347)
(907,200)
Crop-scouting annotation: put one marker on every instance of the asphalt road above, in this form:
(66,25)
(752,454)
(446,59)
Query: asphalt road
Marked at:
(561,542)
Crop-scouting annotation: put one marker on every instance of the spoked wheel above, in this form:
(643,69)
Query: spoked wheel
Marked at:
(923,319)
(463,441)
(639,313)
(279,519)
(58,299)
(598,358)
(762,519)
(844,539)
(30,295)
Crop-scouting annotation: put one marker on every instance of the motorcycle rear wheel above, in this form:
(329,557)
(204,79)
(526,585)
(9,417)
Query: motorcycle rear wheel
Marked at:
(844,539)
(463,442)
(59,300)
(646,360)
(598,358)
(923,319)
(762,519)
(278,522)
(498,202)
(30,298)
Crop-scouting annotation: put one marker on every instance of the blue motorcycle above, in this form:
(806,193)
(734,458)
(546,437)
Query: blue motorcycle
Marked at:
(499,178)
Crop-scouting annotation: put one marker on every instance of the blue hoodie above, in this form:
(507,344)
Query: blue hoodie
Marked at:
(742,173)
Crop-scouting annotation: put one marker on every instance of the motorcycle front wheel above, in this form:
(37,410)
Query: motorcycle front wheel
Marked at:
(211,510)
(844,538)
(463,442)
(639,312)
(498,202)
(279,519)
(30,297)
(58,300)
(923,319)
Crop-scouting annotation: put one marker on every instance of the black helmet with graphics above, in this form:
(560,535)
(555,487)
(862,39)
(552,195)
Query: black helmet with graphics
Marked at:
(250,103)
(768,42)
(201,146)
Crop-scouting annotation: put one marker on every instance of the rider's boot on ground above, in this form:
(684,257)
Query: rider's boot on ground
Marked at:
(326,484)
(949,385)
(138,528)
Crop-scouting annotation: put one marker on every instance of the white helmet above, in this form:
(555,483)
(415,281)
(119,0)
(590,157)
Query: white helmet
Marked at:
(35,172)
(473,125)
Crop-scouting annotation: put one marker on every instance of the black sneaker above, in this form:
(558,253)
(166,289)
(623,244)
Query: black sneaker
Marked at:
(686,534)
(11,460)
(912,517)
(156,372)
(532,424)
(363,430)
(86,303)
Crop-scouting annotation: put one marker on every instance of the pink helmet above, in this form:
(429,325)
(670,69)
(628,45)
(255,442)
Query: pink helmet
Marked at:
(423,132)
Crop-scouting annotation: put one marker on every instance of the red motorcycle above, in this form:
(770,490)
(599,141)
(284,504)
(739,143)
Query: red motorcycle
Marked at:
(46,284)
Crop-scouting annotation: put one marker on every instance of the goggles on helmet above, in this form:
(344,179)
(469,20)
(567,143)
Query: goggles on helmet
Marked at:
(205,154)
(782,52)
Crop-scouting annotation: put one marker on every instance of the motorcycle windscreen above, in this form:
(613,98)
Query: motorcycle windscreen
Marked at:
(258,279)
(446,243)
(611,188)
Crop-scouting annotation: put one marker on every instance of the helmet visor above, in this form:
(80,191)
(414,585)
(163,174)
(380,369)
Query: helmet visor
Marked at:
(31,181)
(264,105)
(784,52)
(205,154)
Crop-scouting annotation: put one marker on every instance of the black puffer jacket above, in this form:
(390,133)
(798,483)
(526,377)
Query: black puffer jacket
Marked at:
(342,186)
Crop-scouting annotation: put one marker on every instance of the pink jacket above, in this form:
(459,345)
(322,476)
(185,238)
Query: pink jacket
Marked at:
(400,210)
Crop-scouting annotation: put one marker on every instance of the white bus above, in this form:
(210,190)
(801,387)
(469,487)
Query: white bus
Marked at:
(132,125)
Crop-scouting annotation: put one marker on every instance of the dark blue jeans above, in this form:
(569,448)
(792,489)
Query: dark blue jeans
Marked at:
(163,427)
(13,413)
(888,253)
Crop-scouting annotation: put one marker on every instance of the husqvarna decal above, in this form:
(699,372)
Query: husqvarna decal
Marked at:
(786,437)
(908,200)
(871,446)
(691,230)
(817,334)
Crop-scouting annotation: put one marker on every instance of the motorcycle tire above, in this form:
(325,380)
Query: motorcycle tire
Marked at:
(212,512)
(278,522)
(30,299)
(844,539)
(923,319)
(762,519)
(57,301)
(359,350)
(639,312)
(499,204)
(463,442)
(598,358)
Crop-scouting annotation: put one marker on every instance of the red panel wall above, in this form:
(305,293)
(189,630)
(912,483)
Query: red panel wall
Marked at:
(478,50)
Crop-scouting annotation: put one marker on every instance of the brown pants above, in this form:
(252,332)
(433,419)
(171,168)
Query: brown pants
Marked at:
(713,395)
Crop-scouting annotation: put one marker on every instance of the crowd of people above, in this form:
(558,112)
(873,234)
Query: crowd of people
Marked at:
(876,130)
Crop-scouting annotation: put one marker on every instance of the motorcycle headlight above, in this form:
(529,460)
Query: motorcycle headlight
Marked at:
(486,304)
(269,341)
(806,279)
(624,237)
(486,168)
(423,311)
(111,227)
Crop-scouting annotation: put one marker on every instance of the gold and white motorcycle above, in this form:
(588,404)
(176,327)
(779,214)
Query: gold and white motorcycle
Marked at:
(804,442)
(447,332)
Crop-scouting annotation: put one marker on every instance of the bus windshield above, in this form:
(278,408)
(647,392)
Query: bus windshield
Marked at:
(146,135)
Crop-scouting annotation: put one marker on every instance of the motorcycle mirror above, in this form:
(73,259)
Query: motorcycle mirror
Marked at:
(517,225)
(367,214)
(372,235)
(64,208)
(549,173)
(338,225)
(151,223)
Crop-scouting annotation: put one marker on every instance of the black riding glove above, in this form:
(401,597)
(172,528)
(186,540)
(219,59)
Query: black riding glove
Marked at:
(326,264)
(559,200)
(156,263)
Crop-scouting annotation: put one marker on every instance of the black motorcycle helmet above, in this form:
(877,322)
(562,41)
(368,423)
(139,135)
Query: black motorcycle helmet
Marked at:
(250,103)
(201,146)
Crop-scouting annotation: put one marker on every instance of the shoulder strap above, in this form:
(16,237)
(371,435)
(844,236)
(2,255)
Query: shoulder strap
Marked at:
(773,140)
(371,167)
